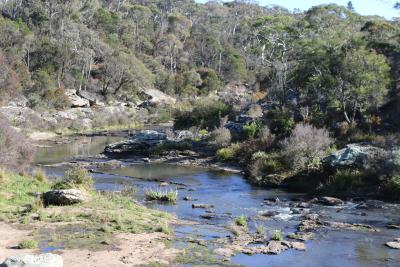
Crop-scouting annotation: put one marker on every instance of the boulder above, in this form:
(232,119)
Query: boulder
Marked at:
(395,244)
(63,197)
(140,143)
(361,156)
(154,97)
(330,201)
(75,100)
(42,260)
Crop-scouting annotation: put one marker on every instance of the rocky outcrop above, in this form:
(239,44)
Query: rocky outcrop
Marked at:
(42,260)
(154,97)
(361,156)
(140,143)
(64,197)
(76,100)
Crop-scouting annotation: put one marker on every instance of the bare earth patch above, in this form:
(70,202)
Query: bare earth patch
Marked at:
(124,250)
(9,239)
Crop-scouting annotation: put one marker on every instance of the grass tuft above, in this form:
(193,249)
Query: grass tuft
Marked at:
(28,244)
(277,235)
(162,195)
(241,220)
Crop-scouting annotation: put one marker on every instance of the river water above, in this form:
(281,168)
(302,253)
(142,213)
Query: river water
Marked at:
(232,196)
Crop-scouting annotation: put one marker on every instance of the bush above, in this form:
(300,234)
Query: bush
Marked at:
(28,244)
(344,181)
(228,153)
(205,114)
(221,137)
(241,220)
(15,150)
(277,235)
(164,196)
(306,147)
(262,164)
(282,123)
(251,130)
(78,178)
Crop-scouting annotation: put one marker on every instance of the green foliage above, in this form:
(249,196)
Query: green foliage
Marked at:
(28,244)
(206,113)
(277,235)
(162,195)
(251,130)
(241,220)
(282,123)
(77,177)
(228,153)
(344,181)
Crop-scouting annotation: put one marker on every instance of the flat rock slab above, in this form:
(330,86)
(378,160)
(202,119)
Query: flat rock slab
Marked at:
(394,244)
(64,197)
(42,260)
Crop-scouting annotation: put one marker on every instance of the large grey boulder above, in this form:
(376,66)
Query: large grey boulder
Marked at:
(154,97)
(63,197)
(75,100)
(362,156)
(42,260)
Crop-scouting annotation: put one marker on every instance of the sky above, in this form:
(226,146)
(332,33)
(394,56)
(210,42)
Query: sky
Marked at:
(382,8)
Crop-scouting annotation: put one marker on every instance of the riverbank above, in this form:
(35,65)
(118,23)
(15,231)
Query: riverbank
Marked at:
(105,229)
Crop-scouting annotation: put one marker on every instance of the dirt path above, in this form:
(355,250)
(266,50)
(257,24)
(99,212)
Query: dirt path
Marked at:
(124,250)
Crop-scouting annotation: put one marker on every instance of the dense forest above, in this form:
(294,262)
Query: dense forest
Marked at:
(327,58)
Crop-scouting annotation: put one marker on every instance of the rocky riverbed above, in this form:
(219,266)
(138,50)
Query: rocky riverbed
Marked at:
(234,222)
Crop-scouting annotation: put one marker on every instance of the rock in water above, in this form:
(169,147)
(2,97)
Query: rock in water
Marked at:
(63,197)
(330,201)
(394,244)
(42,260)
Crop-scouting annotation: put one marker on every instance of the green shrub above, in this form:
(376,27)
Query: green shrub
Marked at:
(277,235)
(28,244)
(262,164)
(282,123)
(78,178)
(227,153)
(393,187)
(241,220)
(344,181)
(206,113)
(160,195)
(251,130)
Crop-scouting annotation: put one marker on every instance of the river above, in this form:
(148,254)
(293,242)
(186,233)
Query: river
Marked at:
(232,196)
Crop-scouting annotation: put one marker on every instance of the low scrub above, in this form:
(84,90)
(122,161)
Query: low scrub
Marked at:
(78,178)
(227,153)
(205,113)
(241,220)
(28,244)
(305,147)
(221,137)
(15,150)
(170,196)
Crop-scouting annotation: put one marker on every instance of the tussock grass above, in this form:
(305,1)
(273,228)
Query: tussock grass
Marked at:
(76,178)
(28,244)
(162,195)
(277,235)
(241,220)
